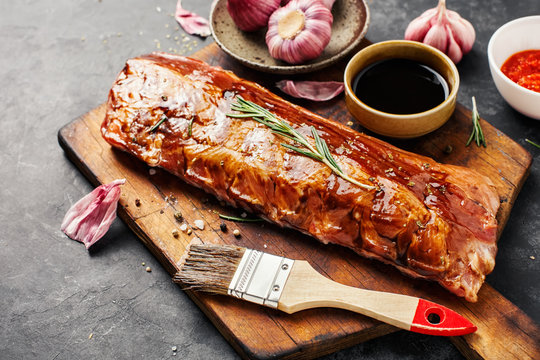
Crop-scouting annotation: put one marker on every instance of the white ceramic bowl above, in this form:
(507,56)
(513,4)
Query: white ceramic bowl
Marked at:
(514,36)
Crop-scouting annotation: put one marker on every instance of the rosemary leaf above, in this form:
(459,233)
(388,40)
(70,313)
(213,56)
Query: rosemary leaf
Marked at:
(302,151)
(319,152)
(532,143)
(190,126)
(243,115)
(156,125)
(471,137)
(284,135)
(328,155)
(234,218)
(318,142)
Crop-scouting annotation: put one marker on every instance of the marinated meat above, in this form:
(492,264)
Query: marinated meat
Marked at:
(429,220)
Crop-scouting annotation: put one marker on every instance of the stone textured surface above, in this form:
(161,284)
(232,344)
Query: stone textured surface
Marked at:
(58,301)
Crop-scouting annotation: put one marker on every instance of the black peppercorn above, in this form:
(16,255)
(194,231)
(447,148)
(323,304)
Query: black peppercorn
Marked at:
(223,227)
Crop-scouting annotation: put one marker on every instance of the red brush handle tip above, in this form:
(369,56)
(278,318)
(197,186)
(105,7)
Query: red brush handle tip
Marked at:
(435,319)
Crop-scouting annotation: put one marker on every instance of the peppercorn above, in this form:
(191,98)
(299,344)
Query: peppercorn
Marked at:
(448,149)
(223,227)
(178,216)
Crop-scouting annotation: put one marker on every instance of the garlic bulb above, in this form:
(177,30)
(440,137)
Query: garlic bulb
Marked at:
(444,29)
(299,31)
(251,15)
(327,3)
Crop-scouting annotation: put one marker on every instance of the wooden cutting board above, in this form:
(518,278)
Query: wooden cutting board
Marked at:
(504,331)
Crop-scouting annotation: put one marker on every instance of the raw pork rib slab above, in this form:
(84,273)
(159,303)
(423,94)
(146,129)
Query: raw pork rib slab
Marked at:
(430,220)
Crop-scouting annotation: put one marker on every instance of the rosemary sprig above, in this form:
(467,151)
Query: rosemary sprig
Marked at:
(156,125)
(532,143)
(477,134)
(319,151)
(234,218)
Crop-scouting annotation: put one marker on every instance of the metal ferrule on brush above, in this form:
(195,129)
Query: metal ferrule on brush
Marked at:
(260,277)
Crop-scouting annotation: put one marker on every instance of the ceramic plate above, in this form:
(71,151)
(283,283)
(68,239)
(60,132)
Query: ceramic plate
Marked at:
(351,20)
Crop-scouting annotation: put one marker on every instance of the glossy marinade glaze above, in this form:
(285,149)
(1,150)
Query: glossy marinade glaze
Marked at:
(429,220)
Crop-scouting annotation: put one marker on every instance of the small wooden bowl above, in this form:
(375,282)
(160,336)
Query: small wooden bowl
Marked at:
(409,125)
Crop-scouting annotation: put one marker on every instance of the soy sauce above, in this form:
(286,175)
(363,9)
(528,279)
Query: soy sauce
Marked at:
(400,86)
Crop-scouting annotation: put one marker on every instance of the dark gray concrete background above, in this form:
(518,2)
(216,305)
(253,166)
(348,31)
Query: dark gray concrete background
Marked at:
(58,301)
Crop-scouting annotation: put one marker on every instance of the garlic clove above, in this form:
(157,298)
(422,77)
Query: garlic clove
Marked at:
(418,28)
(444,29)
(453,50)
(463,31)
(299,31)
(437,37)
(251,15)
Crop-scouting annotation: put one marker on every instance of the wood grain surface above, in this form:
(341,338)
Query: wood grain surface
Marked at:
(504,331)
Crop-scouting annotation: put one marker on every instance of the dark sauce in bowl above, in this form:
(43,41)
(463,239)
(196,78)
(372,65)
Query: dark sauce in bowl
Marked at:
(400,86)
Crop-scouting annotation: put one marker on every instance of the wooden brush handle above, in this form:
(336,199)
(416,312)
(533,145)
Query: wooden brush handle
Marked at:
(307,289)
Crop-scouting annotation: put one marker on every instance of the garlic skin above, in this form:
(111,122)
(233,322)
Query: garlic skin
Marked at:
(311,90)
(443,29)
(299,31)
(251,15)
(191,23)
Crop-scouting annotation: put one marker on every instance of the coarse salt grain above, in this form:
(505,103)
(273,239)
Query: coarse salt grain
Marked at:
(183,227)
(199,224)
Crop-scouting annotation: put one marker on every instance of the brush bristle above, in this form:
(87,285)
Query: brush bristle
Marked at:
(209,267)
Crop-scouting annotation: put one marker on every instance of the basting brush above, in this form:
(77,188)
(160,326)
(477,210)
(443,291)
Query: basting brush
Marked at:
(293,285)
